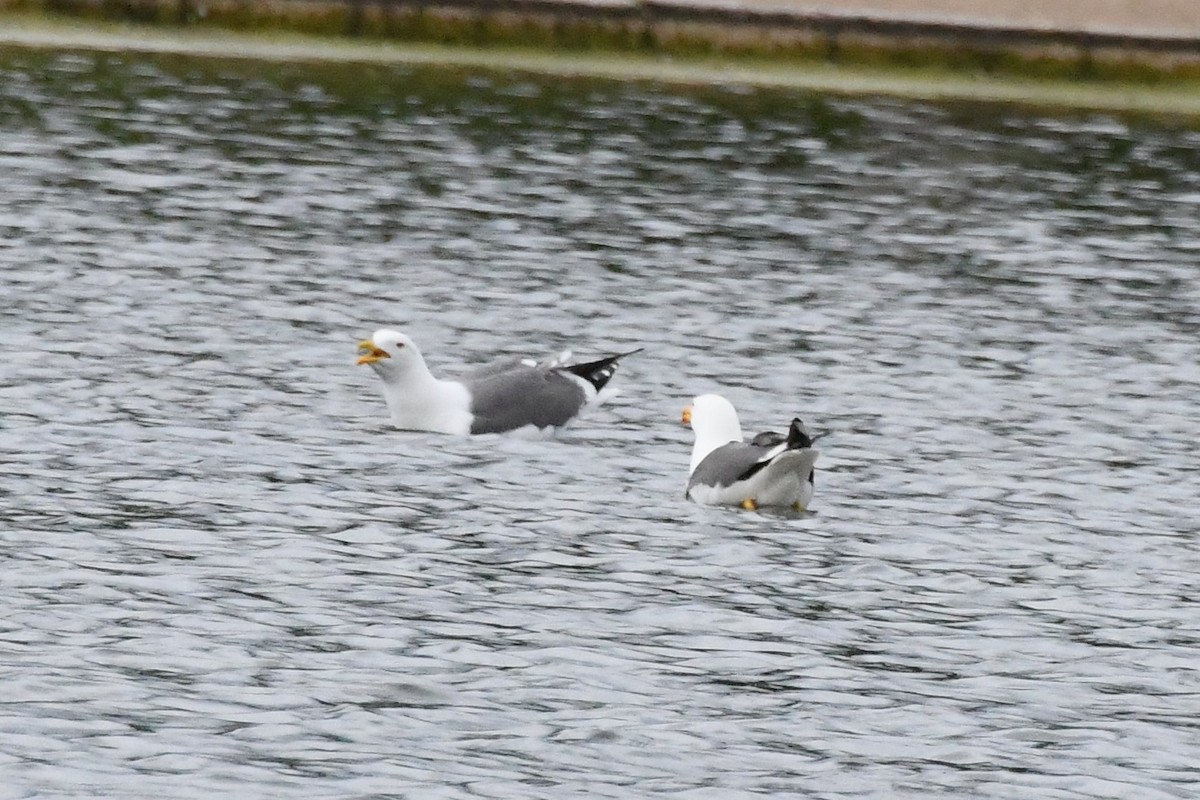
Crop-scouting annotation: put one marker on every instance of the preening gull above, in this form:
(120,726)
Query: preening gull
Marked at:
(769,470)
(504,396)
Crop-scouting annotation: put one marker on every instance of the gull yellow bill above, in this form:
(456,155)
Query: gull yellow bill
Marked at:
(369,353)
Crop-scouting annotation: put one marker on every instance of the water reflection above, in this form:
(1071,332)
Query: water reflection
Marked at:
(223,565)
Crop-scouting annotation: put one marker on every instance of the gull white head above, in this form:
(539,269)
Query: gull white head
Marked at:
(416,399)
(391,354)
(715,423)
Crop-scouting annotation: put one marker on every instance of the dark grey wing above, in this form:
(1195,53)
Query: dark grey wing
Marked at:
(514,398)
(797,437)
(768,439)
(729,464)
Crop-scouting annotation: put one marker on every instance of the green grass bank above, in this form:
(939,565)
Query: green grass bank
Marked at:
(625,41)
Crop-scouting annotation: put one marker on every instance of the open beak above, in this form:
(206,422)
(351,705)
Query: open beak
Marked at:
(686,417)
(369,353)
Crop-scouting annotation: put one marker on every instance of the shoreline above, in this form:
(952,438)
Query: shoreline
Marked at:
(1169,97)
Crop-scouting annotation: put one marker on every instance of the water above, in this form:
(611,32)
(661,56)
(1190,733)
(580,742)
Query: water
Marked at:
(223,572)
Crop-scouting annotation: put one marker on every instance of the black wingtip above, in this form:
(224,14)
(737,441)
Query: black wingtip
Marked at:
(797,437)
(599,373)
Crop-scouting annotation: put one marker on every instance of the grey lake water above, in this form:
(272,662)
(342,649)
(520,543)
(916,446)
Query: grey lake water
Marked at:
(225,574)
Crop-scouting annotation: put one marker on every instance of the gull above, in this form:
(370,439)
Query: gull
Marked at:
(770,470)
(505,396)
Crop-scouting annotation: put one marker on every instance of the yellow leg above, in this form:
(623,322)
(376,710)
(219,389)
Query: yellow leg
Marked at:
(798,506)
(749,504)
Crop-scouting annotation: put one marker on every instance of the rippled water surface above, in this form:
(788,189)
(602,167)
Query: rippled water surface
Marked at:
(223,573)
